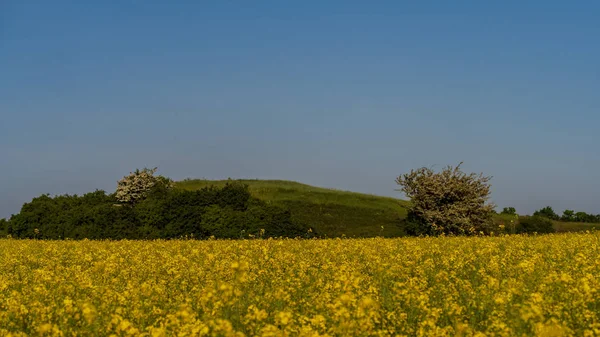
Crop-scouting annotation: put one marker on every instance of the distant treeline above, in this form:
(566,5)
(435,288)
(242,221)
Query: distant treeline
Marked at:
(567,216)
(227,212)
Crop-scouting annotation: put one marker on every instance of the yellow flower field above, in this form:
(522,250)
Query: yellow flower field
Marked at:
(506,286)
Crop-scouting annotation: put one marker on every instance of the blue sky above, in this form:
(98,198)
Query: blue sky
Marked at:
(341,94)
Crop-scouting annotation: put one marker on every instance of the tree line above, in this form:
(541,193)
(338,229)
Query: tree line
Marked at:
(567,216)
(147,207)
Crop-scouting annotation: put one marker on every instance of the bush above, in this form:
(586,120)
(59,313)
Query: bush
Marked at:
(449,202)
(535,224)
(414,226)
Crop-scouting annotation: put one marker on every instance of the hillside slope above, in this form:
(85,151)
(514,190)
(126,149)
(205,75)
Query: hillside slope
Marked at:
(331,213)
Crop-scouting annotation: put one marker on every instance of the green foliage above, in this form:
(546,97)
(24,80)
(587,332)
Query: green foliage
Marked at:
(585,217)
(279,207)
(569,219)
(414,225)
(572,216)
(547,212)
(448,202)
(535,224)
(90,216)
(329,212)
(568,215)
(3,227)
(226,212)
(509,211)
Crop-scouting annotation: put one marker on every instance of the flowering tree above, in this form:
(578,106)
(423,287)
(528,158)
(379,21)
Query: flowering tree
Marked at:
(137,185)
(448,202)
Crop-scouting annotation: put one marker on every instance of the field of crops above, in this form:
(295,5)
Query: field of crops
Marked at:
(508,286)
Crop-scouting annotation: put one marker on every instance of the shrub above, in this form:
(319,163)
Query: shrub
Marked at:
(449,202)
(235,195)
(535,224)
(414,226)
(266,220)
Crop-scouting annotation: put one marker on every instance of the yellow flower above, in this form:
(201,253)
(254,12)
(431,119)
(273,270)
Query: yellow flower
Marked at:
(47,327)
(512,285)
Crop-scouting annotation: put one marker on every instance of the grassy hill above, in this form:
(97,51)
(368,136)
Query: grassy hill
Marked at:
(330,212)
(334,213)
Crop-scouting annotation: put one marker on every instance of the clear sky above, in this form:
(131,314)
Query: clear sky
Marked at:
(342,94)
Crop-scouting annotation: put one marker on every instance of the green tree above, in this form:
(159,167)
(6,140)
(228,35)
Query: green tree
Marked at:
(583,217)
(568,215)
(547,212)
(509,211)
(448,202)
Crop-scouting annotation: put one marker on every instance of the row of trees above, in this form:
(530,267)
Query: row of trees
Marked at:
(146,206)
(567,216)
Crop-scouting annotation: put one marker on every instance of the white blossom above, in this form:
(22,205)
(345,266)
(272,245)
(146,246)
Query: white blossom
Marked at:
(136,186)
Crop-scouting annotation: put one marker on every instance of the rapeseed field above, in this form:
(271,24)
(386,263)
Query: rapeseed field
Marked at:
(480,286)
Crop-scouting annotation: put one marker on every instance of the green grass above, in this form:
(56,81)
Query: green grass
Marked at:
(330,212)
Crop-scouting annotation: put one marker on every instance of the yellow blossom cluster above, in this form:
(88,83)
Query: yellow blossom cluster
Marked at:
(447,286)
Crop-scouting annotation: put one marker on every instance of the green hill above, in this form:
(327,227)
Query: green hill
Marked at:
(333,213)
(330,212)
